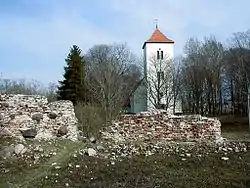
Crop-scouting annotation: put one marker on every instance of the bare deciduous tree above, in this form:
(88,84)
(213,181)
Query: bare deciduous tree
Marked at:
(27,87)
(202,73)
(159,82)
(241,40)
(177,83)
(51,91)
(111,76)
(163,82)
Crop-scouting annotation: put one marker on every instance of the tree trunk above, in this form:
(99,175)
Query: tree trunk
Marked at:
(232,97)
(221,103)
(248,97)
(174,103)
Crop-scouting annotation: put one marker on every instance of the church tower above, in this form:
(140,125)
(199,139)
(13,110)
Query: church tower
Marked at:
(158,50)
(155,90)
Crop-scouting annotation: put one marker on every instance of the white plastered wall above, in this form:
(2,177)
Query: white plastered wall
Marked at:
(150,51)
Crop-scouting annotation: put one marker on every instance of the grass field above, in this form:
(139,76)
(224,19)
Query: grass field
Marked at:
(235,128)
(160,170)
(75,169)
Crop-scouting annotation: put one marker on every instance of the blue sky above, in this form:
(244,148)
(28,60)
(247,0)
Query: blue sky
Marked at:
(35,35)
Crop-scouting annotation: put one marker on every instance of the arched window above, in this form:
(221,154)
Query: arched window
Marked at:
(159,54)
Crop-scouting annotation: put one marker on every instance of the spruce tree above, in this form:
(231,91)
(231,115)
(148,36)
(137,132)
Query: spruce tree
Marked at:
(73,86)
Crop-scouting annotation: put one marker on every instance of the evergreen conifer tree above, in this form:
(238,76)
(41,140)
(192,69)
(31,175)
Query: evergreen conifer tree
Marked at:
(73,87)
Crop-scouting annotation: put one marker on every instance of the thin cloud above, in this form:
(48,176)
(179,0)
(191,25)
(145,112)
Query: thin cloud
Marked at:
(39,33)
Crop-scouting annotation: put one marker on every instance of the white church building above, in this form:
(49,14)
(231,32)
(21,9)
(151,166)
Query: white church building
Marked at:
(155,89)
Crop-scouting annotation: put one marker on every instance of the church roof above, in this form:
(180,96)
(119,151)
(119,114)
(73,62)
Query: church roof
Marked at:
(158,37)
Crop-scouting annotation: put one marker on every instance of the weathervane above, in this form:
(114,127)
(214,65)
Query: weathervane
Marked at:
(156,23)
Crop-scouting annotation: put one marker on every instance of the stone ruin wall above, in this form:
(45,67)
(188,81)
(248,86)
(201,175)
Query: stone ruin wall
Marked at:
(31,116)
(161,126)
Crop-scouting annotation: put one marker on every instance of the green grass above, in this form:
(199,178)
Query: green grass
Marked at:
(159,170)
(235,128)
(24,172)
(153,171)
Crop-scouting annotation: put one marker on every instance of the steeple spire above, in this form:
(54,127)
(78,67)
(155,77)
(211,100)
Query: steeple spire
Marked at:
(156,23)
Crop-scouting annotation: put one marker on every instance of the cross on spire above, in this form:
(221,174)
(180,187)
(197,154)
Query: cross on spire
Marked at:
(156,23)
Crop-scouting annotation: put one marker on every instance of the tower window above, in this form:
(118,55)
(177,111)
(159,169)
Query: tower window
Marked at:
(159,54)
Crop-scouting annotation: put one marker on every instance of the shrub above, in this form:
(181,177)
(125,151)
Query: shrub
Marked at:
(91,119)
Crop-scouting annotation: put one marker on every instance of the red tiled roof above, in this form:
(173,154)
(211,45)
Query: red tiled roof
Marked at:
(158,37)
